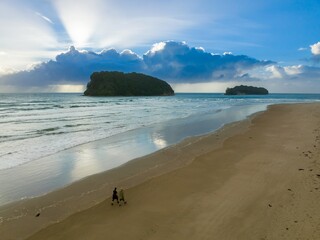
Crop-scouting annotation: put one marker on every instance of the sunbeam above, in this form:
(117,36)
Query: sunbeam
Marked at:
(100,24)
(81,18)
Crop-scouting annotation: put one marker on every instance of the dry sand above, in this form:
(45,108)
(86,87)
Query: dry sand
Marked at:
(257,179)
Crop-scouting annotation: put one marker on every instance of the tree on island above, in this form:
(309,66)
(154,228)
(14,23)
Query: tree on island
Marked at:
(246,90)
(126,84)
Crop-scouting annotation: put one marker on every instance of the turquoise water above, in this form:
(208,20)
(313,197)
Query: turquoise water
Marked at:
(50,140)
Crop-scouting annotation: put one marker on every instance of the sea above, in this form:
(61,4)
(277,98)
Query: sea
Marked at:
(39,125)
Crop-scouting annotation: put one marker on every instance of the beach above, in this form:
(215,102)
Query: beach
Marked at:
(254,179)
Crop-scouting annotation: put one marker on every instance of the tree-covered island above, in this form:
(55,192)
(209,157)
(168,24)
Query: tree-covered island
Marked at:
(126,84)
(246,90)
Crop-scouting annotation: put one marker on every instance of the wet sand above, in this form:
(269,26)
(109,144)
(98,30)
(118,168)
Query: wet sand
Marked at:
(257,179)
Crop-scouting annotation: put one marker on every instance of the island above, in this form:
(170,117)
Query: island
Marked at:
(115,83)
(246,90)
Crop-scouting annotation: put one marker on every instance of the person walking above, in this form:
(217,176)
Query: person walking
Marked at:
(115,196)
(121,197)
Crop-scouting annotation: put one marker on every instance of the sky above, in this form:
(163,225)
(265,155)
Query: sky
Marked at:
(196,46)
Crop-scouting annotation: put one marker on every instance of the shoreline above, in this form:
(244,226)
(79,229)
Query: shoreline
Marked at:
(142,172)
(56,171)
(92,190)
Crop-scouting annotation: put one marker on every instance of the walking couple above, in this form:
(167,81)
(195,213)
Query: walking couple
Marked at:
(118,198)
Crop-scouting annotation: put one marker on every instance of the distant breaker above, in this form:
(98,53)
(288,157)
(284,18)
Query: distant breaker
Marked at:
(246,90)
(126,84)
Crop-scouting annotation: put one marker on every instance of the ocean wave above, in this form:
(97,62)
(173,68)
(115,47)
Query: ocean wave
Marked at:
(4,137)
(83,106)
(23,109)
(58,106)
(68,132)
(18,138)
(47,130)
(54,133)
(75,125)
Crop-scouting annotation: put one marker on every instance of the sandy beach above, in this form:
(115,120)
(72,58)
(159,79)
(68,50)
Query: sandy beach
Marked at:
(255,179)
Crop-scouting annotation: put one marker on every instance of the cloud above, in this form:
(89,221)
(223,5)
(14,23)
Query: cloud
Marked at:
(315,48)
(293,78)
(286,79)
(186,68)
(292,73)
(74,67)
(303,72)
(275,71)
(175,62)
(178,62)
(277,79)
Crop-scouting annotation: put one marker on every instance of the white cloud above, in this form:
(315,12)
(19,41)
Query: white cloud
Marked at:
(275,71)
(293,70)
(200,49)
(156,47)
(288,79)
(315,48)
(279,72)
(6,71)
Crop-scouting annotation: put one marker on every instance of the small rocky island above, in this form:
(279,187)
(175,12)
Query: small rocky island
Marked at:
(126,84)
(246,90)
